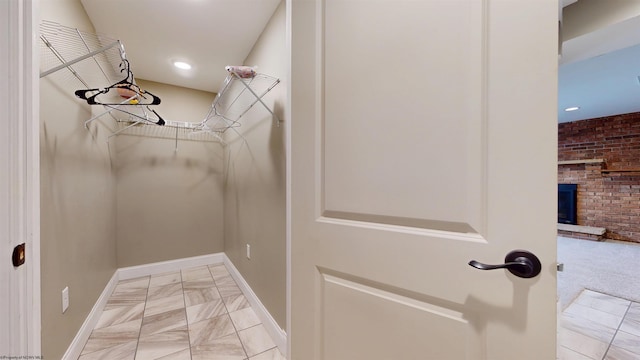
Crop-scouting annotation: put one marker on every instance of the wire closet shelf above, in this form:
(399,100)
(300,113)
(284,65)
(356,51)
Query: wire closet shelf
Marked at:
(74,58)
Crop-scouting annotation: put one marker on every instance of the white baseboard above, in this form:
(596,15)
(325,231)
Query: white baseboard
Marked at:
(133,272)
(75,349)
(278,335)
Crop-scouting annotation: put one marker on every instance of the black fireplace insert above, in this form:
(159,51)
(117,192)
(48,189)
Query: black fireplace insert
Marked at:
(567,203)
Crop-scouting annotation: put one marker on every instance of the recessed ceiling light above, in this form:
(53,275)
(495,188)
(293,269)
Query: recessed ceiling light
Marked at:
(182,65)
(574,108)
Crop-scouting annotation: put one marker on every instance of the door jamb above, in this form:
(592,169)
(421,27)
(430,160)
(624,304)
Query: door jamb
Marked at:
(288,202)
(22,20)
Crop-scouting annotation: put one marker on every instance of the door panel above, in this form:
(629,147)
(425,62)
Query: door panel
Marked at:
(409,325)
(423,135)
(401,99)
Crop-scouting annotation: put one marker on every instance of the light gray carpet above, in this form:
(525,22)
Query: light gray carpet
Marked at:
(608,267)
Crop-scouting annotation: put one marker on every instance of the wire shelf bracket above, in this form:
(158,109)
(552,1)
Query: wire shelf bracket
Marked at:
(237,97)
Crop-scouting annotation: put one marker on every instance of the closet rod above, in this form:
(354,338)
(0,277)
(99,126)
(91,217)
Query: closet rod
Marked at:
(69,63)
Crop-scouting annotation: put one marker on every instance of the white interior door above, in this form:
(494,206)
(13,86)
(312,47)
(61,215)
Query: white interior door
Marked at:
(423,136)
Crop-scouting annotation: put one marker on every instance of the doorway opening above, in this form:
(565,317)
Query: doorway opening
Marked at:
(598,154)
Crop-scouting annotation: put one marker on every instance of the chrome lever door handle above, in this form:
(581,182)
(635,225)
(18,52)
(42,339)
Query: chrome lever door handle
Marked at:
(520,263)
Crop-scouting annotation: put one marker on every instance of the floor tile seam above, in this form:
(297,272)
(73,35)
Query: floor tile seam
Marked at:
(633,320)
(219,336)
(598,309)
(122,322)
(583,300)
(226,311)
(578,332)
(580,351)
(262,352)
(214,277)
(211,318)
(594,337)
(628,333)
(623,348)
(598,323)
(246,354)
(211,273)
(606,342)
(133,288)
(204,278)
(217,265)
(186,317)
(626,351)
(107,348)
(158,297)
(587,308)
(110,347)
(592,322)
(575,351)
(602,296)
(135,354)
(165,285)
(224,281)
(137,340)
(616,333)
(198,280)
(82,353)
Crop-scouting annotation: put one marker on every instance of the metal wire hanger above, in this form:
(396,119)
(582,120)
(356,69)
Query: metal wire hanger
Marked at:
(126,88)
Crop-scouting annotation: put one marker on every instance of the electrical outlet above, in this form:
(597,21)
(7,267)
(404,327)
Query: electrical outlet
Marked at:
(65,299)
(248,251)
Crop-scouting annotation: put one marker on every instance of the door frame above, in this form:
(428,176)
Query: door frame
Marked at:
(22,108)
(288,202)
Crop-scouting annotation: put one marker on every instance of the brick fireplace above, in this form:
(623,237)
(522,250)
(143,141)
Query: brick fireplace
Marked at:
(602,156)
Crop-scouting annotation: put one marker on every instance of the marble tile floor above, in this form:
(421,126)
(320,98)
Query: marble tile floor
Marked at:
(193,314)
(601,327)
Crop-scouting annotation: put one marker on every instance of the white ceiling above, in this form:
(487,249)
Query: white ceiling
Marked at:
(598,71)
(601,86)
(208,34)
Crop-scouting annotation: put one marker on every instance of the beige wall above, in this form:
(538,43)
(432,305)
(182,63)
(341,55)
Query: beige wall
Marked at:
(169,204)
(78,246)
(67,13)
(255,187)
(586,16)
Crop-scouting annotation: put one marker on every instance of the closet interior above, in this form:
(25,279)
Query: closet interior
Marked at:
(137,172)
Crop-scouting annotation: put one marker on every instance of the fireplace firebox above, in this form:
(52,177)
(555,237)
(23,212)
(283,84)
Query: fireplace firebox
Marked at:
(567,204)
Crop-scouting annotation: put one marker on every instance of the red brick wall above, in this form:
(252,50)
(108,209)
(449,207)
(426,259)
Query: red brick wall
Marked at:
(605,200)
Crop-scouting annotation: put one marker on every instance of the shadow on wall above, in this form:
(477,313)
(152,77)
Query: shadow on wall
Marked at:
(277,146)
(200,159)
